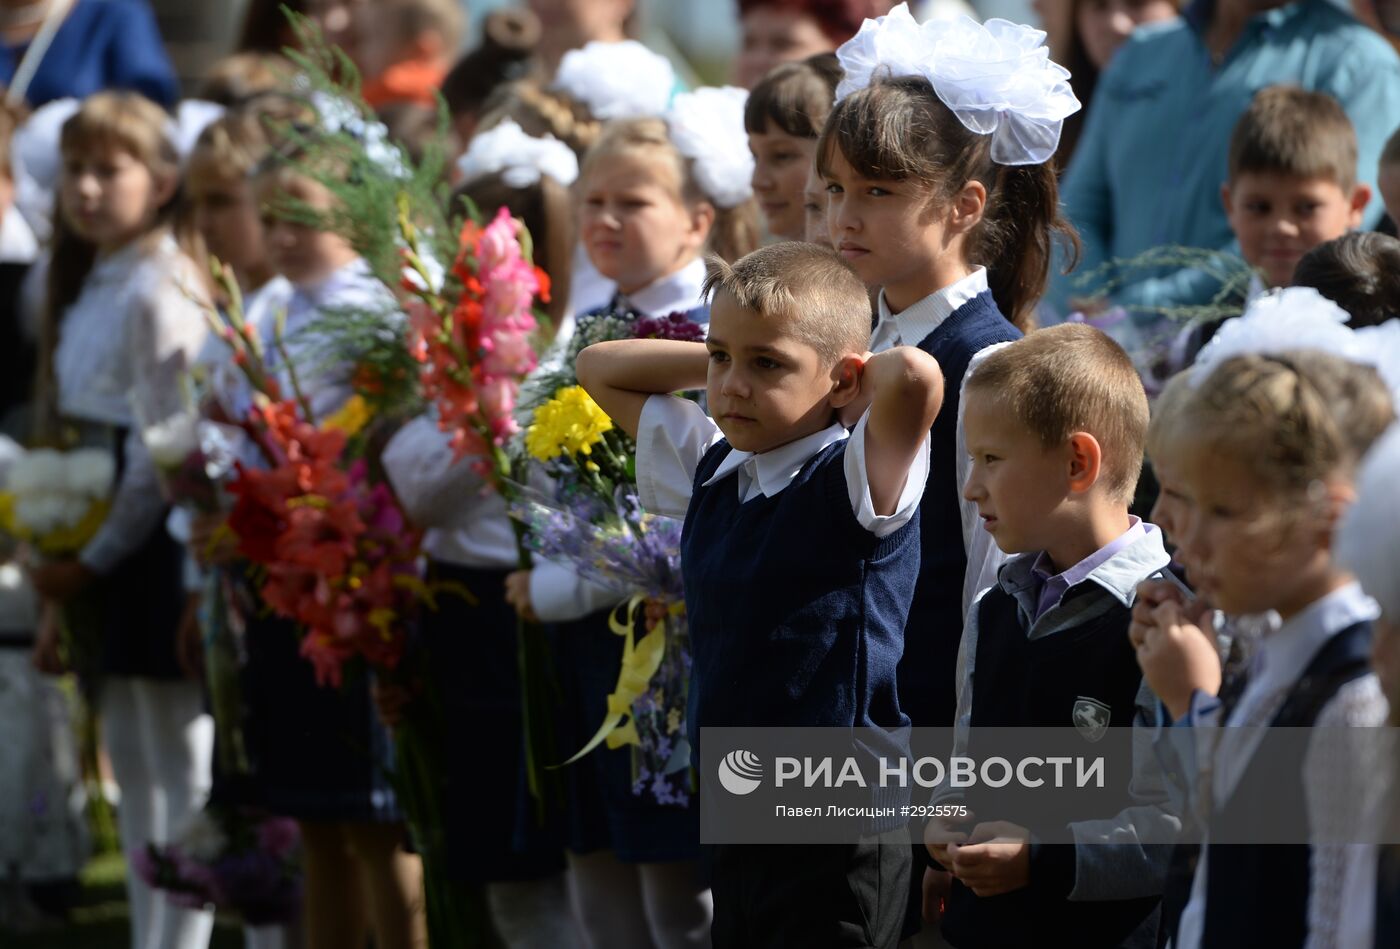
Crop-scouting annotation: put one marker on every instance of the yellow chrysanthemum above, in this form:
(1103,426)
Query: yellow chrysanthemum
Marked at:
(569,424)
(350,417)
(61,542)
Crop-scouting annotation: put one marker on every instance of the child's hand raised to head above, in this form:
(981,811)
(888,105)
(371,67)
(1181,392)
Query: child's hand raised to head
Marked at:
(622,374)
(1176,655)
(906,392)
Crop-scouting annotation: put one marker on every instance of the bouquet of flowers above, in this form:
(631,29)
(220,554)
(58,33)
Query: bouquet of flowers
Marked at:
(55,501)
(235,860)
(595,522)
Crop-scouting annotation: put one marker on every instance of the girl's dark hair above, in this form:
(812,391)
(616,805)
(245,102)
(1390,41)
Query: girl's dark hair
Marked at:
(1360,272)
(508,42)
(796,97)
(897,129)
(547,209)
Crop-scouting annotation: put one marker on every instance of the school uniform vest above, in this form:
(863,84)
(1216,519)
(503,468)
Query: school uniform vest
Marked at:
(1085,676)
(796,612)
(1257,895)
(927,674)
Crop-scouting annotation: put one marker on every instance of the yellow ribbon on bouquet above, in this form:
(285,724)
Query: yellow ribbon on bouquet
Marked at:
(640,660)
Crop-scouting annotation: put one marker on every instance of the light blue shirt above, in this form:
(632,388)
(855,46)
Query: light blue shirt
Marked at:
(1148,169)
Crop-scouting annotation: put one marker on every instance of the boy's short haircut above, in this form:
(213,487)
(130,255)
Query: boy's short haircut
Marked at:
(1074,378)
(1291,131)
(806,285)
(1360,272)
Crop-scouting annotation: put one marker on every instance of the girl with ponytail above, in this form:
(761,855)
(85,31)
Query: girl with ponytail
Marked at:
(937,159)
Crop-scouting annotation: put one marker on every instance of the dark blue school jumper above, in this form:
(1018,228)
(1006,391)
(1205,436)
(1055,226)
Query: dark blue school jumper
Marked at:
(1026,682)
(797,618)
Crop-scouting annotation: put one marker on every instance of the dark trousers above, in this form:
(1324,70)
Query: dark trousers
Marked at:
(811,895)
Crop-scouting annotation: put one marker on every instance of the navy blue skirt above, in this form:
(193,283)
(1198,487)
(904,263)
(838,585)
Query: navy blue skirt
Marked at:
(602,812)
(470,650)
(318,753)
(141,602)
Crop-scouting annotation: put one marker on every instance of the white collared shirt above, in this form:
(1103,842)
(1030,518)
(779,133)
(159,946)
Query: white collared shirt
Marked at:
(674,434)
(465,519)
(910,327)
(1335,785)
(673,293)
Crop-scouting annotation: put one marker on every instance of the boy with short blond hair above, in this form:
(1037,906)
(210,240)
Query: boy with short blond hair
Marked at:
(1056,424)
(800,550)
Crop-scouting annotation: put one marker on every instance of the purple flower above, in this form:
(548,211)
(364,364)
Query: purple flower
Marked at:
(675,326)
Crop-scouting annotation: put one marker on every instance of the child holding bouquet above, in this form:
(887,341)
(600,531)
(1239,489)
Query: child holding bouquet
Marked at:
(120,273)
(655,193)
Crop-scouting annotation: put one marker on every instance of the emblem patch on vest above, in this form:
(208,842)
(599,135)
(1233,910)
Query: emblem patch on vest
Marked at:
(1091,717)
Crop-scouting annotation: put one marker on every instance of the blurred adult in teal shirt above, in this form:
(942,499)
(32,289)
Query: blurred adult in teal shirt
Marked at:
(1150,165)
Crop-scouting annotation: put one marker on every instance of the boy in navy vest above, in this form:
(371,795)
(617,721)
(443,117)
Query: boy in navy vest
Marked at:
(1056,424)
(800,550)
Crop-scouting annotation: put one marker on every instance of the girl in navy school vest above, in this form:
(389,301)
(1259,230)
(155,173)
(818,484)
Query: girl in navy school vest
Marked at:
(645,220)
(958,239)
(117,305)
(955,228)
(1267,451)
(1368,544)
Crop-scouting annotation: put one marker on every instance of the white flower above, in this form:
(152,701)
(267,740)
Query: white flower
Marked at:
(91,473)
(520,159)
(617,80)
(172,440)
(707,126)
(37,471)
(996,77)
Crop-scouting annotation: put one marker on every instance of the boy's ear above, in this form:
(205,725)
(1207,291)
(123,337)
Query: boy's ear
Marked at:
(845,377)
(1085,462)
(1225,198)
(1360,197)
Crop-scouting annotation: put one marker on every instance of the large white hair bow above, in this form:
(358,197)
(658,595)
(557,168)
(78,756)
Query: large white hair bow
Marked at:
(1301,318)
(996,77)
(617,80)
(707,126)
(191,119)
(520,159)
